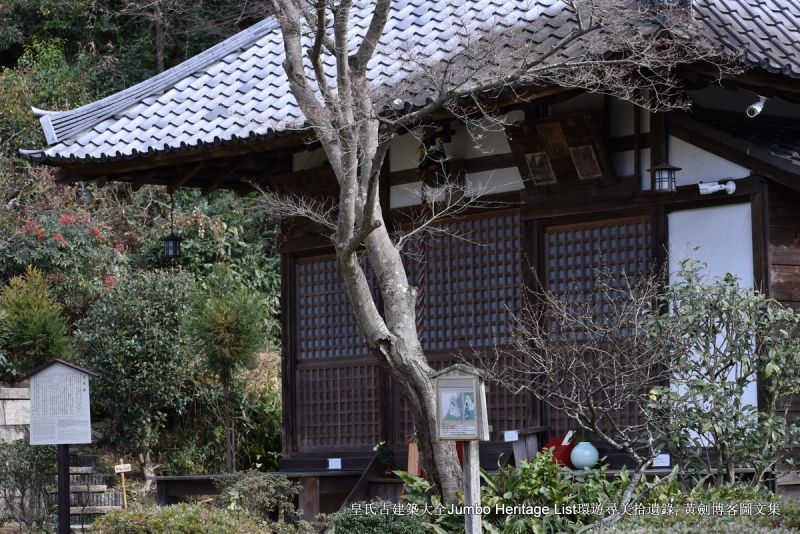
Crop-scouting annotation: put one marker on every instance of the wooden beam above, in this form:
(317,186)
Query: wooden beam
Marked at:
(178,182)
(142,179)
(752,78)
(732,154)
(637,146)
(484,163)
(222,177)
(591,202)
(656,144)
(101,181)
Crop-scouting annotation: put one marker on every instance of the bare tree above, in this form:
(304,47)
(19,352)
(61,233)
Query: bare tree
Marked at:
(584,352)
(618,47)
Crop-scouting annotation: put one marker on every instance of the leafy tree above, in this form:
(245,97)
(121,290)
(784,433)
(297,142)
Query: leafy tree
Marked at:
(133,339)
(226,328)
(727,338)
(32,321)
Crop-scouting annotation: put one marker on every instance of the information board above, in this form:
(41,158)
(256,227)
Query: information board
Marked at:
(457,403)
(60,406)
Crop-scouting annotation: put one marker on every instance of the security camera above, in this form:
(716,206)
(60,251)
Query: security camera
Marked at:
(713,187)
(755,109)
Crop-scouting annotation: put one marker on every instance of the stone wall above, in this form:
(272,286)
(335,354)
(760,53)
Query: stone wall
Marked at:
(15,412)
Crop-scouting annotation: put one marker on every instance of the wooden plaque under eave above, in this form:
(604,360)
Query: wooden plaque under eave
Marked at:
(561,152)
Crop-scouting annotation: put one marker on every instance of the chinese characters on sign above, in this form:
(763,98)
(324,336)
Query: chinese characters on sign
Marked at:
(60,406)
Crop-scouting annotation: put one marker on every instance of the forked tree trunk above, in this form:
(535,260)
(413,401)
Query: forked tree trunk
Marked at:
(400,352)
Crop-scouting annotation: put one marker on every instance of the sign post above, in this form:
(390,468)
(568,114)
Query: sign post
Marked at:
(123,468)
(461,416)
(60,416)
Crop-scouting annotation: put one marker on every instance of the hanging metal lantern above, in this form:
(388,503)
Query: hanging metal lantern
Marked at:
(172,243)
(172,246)
(664,177)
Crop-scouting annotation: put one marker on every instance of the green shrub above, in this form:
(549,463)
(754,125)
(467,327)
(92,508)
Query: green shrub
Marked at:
(178,519)
(133,339)
(687,524)
(32,322)
(348,522)
(78,258)
(25,480)
(258,494)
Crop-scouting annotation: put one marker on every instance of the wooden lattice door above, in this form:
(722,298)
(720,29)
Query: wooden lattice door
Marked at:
(573,254)
(337,379)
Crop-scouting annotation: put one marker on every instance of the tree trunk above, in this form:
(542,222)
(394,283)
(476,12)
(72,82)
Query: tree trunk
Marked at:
(227,423)
(148,470)
(400,353)
(160,40)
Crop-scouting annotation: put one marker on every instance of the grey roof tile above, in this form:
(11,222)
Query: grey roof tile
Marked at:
(237,90)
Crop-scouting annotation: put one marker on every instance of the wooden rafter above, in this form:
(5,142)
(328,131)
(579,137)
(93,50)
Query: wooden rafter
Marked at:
(141,179)
(223,176)
(178,182)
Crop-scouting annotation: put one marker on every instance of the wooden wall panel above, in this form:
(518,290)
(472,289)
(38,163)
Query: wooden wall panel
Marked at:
(338,407)
(324,317)
(574,255)
(473,277)
(784,251)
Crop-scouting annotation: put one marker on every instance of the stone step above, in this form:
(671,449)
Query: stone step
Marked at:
(95,499)
(84,460)
(82,470)
(92,510)
(98,488)
(90,480)
(77,521)
(90,500)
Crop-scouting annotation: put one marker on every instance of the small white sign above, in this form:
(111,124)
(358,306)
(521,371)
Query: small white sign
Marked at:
(334,463)
(567,438)
(662,460)
(122,468)
(511,435)
(60,406)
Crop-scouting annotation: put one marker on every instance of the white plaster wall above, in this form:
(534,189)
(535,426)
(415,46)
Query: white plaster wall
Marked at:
(724,237)
(493,182)
(404,195)
(696,164)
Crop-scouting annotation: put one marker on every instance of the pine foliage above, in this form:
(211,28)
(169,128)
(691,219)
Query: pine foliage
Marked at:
(32,323)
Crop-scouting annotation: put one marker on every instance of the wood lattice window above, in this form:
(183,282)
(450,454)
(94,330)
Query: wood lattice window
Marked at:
(472,282)
(325,323)
(337,406)
(573,257)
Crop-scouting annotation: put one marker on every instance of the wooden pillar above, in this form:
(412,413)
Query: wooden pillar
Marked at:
(63,488)
(656,144)
(472,485)
(309,497)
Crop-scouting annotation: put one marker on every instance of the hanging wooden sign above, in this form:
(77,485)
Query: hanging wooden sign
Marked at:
(461,404)
(561,152)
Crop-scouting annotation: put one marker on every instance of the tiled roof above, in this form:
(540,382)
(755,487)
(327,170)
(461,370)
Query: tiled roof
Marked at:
(774,140)
(237,91)
(767,31)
